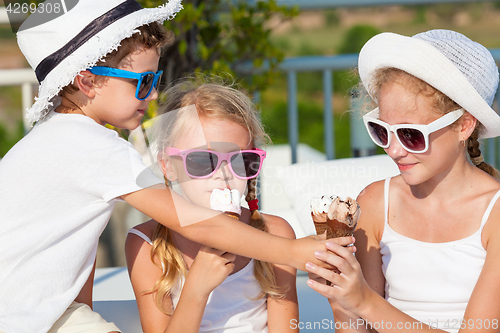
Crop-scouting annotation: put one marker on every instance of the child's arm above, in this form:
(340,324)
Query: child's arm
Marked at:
(216,230)
(209,269)
(281,312)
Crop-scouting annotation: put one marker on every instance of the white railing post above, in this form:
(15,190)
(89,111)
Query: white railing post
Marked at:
(27,91)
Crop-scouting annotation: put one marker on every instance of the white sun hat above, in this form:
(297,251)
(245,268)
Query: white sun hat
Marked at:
(460,68)
(61,48)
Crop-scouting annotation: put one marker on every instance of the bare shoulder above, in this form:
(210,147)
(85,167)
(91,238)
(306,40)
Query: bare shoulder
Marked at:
(491,231)
(278,226)
(372,195)
(136,245)
(371,202)
(147,228)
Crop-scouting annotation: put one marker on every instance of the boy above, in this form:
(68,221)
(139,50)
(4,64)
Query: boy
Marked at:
(59,184)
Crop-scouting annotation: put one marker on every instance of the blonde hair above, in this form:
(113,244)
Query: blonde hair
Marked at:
(213,100)
(442,104)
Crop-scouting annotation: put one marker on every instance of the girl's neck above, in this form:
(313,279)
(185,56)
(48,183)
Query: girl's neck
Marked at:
(447,183)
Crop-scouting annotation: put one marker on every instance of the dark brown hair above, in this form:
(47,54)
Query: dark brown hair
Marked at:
(152,35)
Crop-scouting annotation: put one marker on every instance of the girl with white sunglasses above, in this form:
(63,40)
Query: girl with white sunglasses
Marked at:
(428,239)
(205,139)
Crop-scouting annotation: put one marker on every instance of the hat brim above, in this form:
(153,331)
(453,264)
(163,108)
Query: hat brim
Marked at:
(422,60)
(91,52)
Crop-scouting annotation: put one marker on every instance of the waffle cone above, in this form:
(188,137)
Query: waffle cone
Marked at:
(333,229)
(235,216)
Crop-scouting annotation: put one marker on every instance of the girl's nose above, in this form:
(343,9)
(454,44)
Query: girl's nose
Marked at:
(395,149)
(223,172)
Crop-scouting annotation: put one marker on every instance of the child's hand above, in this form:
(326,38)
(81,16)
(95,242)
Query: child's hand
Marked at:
(209,269)
(303,249)
(318,278)
(349,288)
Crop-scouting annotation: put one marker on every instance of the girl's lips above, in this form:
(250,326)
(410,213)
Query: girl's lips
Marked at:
(141,111)
(404,167)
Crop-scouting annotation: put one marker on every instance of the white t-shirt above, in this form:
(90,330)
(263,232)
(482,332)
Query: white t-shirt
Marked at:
(58,187)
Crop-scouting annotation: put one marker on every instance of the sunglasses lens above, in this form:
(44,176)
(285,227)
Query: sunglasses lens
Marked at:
(158,81)
(146,84)
(200,164)
(246,165)
(378,133)
(411,138)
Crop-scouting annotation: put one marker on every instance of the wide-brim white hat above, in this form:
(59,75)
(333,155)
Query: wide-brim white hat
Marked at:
(75,41)
(460,68)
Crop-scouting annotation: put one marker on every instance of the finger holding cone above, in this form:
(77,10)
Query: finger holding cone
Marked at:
(336,217)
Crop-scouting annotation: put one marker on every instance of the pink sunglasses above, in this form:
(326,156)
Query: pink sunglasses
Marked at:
(199,163)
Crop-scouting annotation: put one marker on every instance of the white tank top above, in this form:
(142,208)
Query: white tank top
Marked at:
(231,307)
(431,282)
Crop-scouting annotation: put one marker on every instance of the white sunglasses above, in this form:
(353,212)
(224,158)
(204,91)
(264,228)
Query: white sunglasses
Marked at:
(413,137)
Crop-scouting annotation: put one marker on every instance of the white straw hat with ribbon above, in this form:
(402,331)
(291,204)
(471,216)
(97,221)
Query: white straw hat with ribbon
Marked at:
(460,68)
(61,48)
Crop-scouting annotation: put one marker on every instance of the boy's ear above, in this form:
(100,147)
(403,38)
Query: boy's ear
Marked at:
(167,168)
(467,125)
(85,82)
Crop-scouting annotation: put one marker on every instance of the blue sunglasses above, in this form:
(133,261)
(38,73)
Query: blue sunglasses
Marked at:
(145,81)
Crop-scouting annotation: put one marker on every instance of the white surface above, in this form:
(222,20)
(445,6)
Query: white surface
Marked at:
(272,193)
(114,300)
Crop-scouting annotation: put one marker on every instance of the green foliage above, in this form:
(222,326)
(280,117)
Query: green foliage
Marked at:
(216,37)
(356,37)
(11,125)
(9,138)
(310,126)
(420,14)
(447,11)
(6,32)
(352,42)
(332,18)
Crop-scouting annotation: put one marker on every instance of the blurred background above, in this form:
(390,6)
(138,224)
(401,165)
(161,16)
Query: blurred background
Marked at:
(293,57)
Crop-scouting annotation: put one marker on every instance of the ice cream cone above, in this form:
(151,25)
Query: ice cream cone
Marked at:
(226,201)
(336,217)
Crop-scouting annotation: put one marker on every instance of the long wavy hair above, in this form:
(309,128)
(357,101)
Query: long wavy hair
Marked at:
(213,99)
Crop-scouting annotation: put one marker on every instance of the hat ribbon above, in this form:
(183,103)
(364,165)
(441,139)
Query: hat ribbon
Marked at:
(51,61)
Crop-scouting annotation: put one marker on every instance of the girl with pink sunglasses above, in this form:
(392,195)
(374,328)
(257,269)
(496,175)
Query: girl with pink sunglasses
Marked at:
(428,239)
(205,140)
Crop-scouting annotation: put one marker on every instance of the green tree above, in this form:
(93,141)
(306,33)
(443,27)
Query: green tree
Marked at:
(216,37)
(356,37)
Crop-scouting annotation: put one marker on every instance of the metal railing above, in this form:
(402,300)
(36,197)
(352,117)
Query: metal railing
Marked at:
(326,65)
(291,66)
